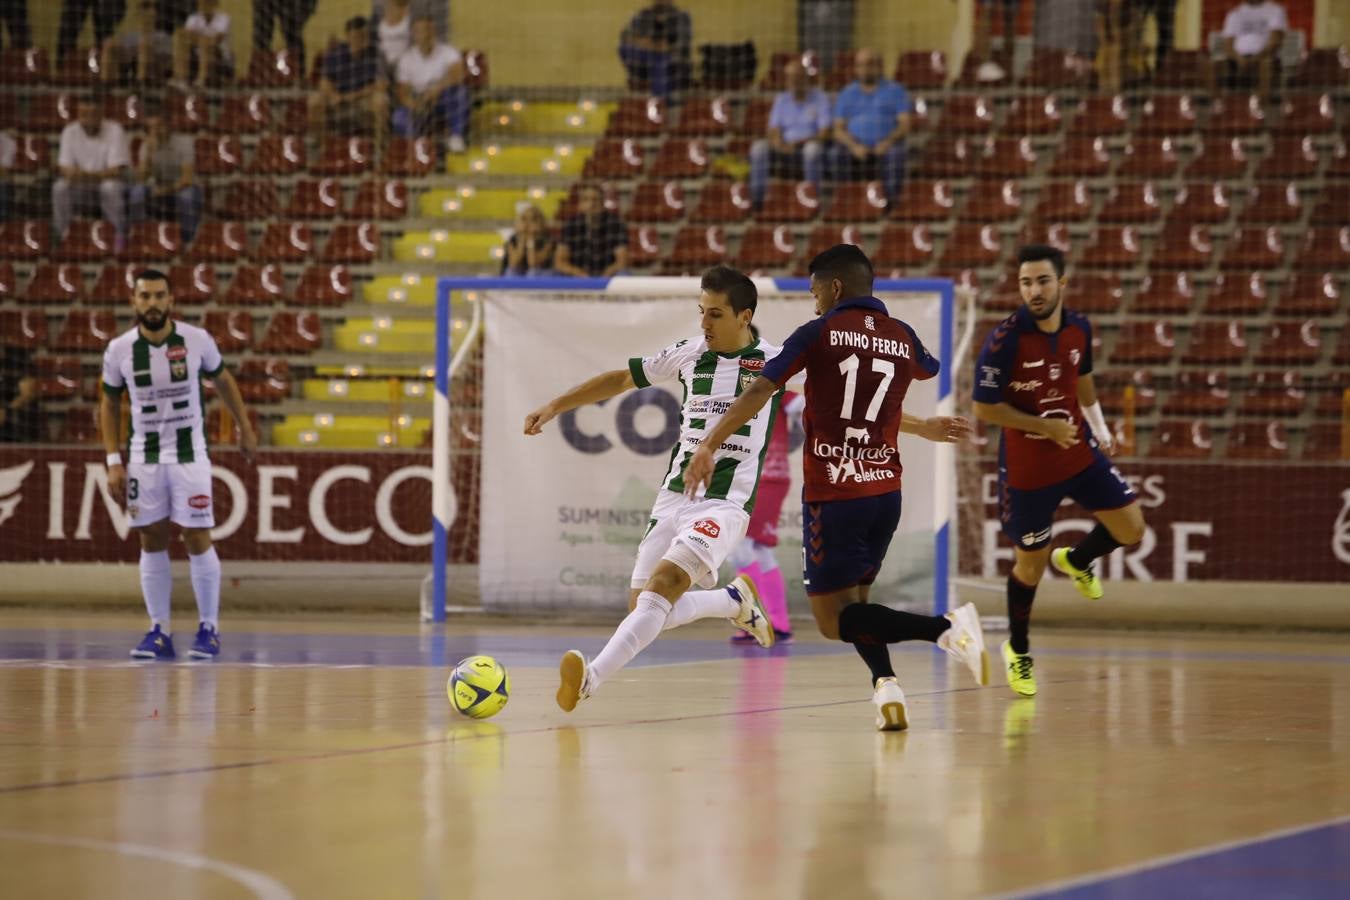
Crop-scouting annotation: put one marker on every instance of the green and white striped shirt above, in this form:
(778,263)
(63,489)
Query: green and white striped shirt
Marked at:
(168,421)
(712,381)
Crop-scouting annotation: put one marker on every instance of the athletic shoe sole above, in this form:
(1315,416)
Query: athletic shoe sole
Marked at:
(746,582)
(893,716)
(572,672)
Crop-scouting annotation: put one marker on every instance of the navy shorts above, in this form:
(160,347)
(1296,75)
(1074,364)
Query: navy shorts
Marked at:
(1027,515)
(845,541)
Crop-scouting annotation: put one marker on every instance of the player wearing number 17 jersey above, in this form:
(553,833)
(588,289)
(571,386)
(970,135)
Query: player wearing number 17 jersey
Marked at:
(859,364)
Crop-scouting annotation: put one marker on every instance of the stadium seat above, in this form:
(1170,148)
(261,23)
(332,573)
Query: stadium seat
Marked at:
(477,71)
(278,155)
(1326,249)
(126,111)
(1290,342)
(33,155)
(1322,68)
(1325,442)
(657,201)
(409,157)
(767,247)
(967,114)
(1037,114)
(1218,159)
(1341,356)
(993,201)
(1254,248)
(1164,294)
(1278,393)
(115,284)
(218,155)
(1330,393)
(1144,342)
(1198,392)
(324,286)
(25,328)
(254,285)
(857,201)
(698,246)
(1006,157)
(1064,201)
(383,200)
(707,117)
(187,113)
(1168,115)
(292,332)
(244,114)
(1111,384)
(1095,293)
(947,156)
(1149,157)
(9,285)
(25,241)
(232,329)
(1306,114)
(85,330)
(755,119)
(264,380)
(82,68)
(1055,69)
(152,242)
(1082,157)
(682,158)
(1181,70)
(568,206)
(1332,204)
(1131,203)
(1183,246)
(314,199)
(1236,114)
(637,117)
(973,246)
(924,200)
(1237,294)
(245,200)
(344,156)
(193,284)
(1181,439)
(616,158)
(272,70)
(1272,202)
(904,247)
(86,241)
(1311,294)
(644,246)
(55,283)
(1200,203)
(1295,157)
(356,243)
(285,242)
(842,73)
(1216,343)
(59,377)
(1113,247)
(823,237)
(789,201)
(922,70)
(722,202)
(24,67)
(1101,115)
(969,77)
(1258,440)
(220,427)
(79,425)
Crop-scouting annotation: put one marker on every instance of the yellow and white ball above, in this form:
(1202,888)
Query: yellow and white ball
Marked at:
(479,687)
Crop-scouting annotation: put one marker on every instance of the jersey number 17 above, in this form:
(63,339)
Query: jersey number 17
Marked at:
(848,367)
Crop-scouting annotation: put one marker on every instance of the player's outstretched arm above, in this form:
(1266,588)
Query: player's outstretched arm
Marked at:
(747,405)
(601,387)
(939,429)
(1061,431)
(228,389)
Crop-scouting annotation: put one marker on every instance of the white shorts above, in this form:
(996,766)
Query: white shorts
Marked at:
(710,529)
(177,491)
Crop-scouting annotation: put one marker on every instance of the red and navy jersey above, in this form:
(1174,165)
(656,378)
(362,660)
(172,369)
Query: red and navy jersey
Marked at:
(1037,373)
(859,363)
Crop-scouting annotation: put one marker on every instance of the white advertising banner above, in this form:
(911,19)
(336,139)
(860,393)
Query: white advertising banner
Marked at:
(563,512)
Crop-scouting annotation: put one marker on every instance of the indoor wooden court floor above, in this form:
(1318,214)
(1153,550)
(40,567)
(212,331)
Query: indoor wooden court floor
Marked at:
(319,758)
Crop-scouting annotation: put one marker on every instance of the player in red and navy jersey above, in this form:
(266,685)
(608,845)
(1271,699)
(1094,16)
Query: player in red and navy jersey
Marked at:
(859,363)
(1034,379)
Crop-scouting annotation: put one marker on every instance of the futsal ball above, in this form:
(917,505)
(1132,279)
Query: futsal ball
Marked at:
(479,687)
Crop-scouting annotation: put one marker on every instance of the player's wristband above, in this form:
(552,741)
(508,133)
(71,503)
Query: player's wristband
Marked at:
(1097,422)
(114,459)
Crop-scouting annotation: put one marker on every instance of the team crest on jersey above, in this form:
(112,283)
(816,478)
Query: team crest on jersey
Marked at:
(177,356)
(750,368)
(1054,372)
(1074,356)
(869,323)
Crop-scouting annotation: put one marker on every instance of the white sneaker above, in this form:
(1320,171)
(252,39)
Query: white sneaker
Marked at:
(890,704)
(455,144)
(575,676)
(751,618)
(965,641)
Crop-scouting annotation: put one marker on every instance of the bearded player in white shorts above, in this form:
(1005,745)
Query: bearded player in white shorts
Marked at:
(687,539)
(167,475)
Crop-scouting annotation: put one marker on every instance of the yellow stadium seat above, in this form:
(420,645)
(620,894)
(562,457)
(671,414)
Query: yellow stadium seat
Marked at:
(522,118)
(468,202)
(520,159)
(386,335)
(482,248)
(406,392)
(338,432)
(405,290)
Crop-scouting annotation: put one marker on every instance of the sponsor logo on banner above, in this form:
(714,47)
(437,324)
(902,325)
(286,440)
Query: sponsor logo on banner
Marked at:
(11,481)
(199,501)
(708,527)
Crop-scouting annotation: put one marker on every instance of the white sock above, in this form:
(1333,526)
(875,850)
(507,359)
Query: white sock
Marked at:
(638,629)
(157,587)
(205,569)
(702,605)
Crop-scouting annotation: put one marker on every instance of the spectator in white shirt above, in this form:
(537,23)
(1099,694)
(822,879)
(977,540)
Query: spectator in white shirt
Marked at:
(1253,34)
(391,24)
(139,46)
(91,162)
(202,46)
(799,126)
(431,91)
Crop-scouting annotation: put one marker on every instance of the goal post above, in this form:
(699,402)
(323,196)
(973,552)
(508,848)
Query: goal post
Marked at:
(557,519)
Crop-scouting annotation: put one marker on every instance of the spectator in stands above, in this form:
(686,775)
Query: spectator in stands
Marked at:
(140,47)
(105,13)
(799,125)
(431,89)
(1253,33)
(20,403)
(990,68)
(14,14)
(655,48)
(530,248)
(165,188)
(352,87)
(594,242)
(391,24)
(201,48)
(872,116)
(9,151)
(290,16)
(1164,13)
(91,162)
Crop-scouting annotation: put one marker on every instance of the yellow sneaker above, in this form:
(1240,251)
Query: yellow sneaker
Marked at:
(1020,678)
(1084,579)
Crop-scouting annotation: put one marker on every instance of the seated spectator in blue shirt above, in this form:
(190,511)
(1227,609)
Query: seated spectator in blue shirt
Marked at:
(352,89)
(655,49)
(872,116)
(799,125)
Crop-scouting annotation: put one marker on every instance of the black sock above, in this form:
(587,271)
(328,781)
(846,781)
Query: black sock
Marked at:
(861,621)
(1020,597)
(1098,543)
(878,659)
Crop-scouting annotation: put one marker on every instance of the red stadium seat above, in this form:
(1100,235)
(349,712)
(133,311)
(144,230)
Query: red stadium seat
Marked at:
(79,425)
(1331,393)
(86,242)
(1064,201)
(476,69)
(1306,114)
(57,284)
(152,242)
(1058,69)
(1290,342)
(1082,157)
(33,155)
(244,114)
(253,285)
(86,330)
(324,286)
(1254,248)
(278,155)
(272,70)
(1147,157)
(644,246)
(722,202)
(25,328)
(703,117)
(993,201)
(1103,115)
(9,286)
(1218,159)
(1164,294)
(115,284)
(1006,157)
(25,240)
(789,201)
(218,155)
(82,68)
(969,76)
(345,156)
(616,159)
(1201,202)
(264,380)
(1323,68)
(637,117)
(657,201)
(1111,384)
(1258,440)
(924,200)
(1237,294)
(1181,69)
(1132,203)
(904,247)
(24,67)
(1095,293)
(1325,442)
(823,237)
(974,246)
(352,242)
(946,156)
(1038,114)
(1182,439)
(1311,294)
(1274,394)
(1236,114)
(1216,343)
(767,247)
(857,201)
(1326,249)
(1183,246)
(409,157)
(59,377)
(1198,392)
(292,332)
(967,114)
(1142,342)
(193,284)
(246,200)
(755,119)
(1333,201)
(285,242)
(922,70)
(682,158)
(1272,202)
(1168,115)
(1295,157)
(1114,247)
(314,199)
(842,73)
(699,246)
(233,329)
(383,200)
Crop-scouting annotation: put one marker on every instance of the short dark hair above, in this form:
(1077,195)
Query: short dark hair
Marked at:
(150,275)
(847,263)
(740,291)
(1042,252)
(355,23)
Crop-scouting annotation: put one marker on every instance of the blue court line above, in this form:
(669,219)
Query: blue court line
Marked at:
(1308,862)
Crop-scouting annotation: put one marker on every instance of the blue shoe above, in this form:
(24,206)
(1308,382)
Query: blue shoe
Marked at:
(155,645)
(207,643)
